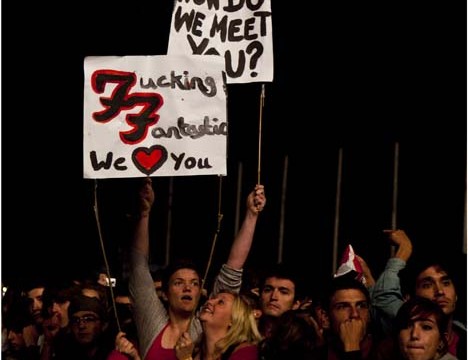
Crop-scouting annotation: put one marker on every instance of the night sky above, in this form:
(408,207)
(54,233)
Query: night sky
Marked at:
(360,78)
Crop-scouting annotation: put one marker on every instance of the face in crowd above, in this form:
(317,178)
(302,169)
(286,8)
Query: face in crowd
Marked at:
(183,290)
(347,305)
(86,326)
(435,284)
(421,327)
(35,304)
(277,296)
(217,311)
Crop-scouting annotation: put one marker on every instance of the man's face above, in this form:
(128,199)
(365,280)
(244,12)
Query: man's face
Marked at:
(277,296)
(435,284)
(86,327)
(184,290)
(59,309)
(348,305)
(36,304)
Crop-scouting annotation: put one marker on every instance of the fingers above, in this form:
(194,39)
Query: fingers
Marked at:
(397,236)
(184,346)
(122,344)
(259,197)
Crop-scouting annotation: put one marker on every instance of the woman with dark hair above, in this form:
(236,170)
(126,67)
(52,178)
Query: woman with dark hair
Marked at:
(420,333)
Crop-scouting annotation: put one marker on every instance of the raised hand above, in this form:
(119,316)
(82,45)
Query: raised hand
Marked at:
(146,197)
(403,243)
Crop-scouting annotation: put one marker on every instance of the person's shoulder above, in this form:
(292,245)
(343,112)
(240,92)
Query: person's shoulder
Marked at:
(245,351)
(448,356)
(246,346)
(459,326)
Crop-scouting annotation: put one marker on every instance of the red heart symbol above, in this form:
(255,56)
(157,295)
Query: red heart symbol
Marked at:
(148,160)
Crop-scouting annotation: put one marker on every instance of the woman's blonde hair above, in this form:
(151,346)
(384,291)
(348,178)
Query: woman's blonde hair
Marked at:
(243,326)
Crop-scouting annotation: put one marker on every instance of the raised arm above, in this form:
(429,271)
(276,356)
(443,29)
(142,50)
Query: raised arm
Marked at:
(240,248)
(403,243)
(230,275)
(141,235)
(149,312)
(387,296)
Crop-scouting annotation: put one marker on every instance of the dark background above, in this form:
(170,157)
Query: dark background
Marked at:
(360,78)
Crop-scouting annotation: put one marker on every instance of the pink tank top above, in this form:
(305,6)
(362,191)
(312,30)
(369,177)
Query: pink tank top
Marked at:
(453,344)
(157,352)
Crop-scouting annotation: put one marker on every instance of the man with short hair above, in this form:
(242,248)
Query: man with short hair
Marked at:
(280,291)
(33,334)
(348,307)
(88,339)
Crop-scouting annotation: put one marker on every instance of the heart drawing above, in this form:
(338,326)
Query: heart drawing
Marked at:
(148,160)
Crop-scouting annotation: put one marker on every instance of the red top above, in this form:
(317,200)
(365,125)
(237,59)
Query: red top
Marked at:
(157,352)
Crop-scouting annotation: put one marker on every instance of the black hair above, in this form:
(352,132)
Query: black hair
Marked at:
(420,308)
(344,282)
(287,272)
(58,292)
(179,264)
(293,337)
(416,266)
(35,283)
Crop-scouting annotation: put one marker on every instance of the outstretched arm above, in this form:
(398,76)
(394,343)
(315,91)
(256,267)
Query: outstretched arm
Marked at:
(149,313)
(230,275)
(387,296)
(141,235)
(243,241)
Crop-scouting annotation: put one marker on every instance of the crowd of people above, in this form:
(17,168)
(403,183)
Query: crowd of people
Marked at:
(409,311)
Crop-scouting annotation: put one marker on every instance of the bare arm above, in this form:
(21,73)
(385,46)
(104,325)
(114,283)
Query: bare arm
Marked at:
(141,235)
(403,243)
(230,275)
(243,241)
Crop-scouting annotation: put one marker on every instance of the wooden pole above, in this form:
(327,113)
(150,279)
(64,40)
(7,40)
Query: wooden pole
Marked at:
(396,160)
(262,103)
(464,229)
(337,211)
(238,198)
(169,221)
(283,209)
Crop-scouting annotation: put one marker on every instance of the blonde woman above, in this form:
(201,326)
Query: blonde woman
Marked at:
(229,330)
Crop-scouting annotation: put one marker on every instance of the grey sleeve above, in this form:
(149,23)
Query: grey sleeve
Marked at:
(386,294)
(227,279)
(149,313)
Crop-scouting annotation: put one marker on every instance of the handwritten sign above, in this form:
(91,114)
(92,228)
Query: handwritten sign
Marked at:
(238,30)
(154,116)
